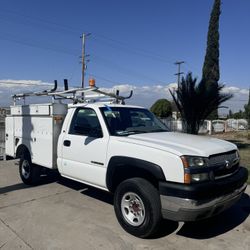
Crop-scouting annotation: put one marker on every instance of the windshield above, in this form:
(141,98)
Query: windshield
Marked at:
(122,121)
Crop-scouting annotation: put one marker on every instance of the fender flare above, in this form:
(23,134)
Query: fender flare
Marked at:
(123,161)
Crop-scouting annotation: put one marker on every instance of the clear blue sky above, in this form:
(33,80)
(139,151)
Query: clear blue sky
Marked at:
(134,41)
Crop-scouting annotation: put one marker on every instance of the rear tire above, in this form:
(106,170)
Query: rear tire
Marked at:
(29,173)
(137,207)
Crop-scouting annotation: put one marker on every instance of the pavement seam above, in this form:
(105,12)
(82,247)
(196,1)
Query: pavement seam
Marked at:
(13,231)
(3,244)
(21,203)
(44,197)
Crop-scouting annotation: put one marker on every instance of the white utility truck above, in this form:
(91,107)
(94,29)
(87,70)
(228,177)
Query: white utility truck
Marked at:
(127,151)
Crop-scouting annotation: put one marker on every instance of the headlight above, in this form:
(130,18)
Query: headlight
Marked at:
(193,169)
(194,161)
(197,162)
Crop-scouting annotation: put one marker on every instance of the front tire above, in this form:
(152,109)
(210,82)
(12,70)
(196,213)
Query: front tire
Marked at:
(137,206)
(29,173)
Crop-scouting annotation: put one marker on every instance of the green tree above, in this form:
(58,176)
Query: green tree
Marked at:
(162,108)
(211,68)
(239,115)
(230,114)
(197,101)
(247,113)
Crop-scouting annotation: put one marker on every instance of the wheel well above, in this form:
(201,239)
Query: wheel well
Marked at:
(22,149)
(124,172)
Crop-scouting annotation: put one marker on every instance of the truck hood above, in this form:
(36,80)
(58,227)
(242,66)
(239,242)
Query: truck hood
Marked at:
(180,143)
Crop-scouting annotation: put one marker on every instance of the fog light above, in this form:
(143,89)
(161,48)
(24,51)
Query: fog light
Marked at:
(199,177)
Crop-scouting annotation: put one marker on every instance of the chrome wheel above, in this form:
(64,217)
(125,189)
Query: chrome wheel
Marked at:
(26,169)
(133,209)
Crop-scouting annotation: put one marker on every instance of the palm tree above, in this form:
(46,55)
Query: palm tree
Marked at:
(196,102)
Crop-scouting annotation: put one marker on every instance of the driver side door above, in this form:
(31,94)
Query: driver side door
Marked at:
(84,148)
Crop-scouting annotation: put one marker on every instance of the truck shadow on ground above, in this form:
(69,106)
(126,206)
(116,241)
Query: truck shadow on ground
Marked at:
(87,190)
(219,224)
(19,186)
(11,188)
(205,229)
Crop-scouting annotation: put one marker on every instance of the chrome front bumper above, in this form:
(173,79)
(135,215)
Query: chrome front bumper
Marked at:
(182,209)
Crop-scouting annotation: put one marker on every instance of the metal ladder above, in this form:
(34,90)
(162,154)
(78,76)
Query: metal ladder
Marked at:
(74,94)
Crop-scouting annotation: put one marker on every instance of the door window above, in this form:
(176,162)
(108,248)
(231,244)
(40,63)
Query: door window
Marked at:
(85,122)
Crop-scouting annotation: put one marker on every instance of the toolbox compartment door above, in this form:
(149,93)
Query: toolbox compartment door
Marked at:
(9,136)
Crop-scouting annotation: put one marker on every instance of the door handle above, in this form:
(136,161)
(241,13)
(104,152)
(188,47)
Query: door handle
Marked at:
(67,143)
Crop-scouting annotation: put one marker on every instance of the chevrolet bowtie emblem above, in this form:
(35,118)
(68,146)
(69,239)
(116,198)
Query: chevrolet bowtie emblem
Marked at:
(228,165)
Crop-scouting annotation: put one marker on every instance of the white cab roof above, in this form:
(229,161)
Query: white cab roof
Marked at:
(101,104)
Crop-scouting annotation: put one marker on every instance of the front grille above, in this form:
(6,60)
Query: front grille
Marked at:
(224,164)
(223,172)
(221,158)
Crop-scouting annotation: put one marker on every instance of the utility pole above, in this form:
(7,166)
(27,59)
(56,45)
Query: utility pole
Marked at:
(83,57)
(179,73)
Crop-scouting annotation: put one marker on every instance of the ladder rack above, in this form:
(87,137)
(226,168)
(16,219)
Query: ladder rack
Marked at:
(74,94)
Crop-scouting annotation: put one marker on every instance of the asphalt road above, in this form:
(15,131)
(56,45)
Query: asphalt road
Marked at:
(63,214)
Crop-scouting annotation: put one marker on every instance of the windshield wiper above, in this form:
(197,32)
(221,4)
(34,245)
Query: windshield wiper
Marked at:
(158,130)
(131,132)
(137,131)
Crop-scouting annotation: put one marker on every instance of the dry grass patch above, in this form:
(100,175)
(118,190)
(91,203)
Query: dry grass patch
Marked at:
(242,140)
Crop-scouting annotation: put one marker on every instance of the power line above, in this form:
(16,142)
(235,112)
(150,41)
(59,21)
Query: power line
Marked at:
(37,20)
(34,44)
(192,67)
(123,70)
(125,44)
(103,78)
(73,72)
(56,49)
(123,47)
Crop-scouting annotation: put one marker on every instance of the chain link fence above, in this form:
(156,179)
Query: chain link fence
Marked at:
(209,127)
